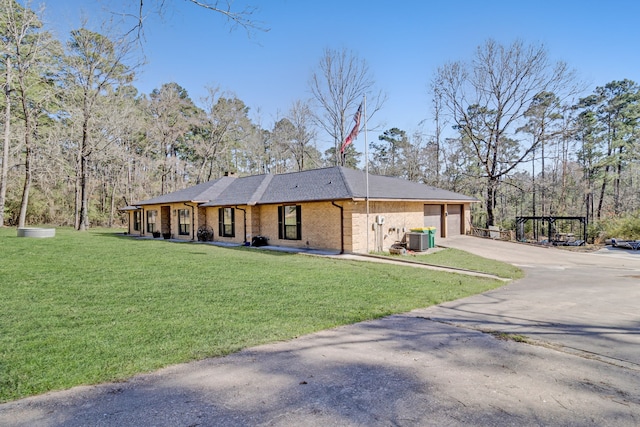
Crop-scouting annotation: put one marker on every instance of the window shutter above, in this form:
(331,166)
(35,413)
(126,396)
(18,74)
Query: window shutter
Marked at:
(280,222)
(299,222)
(233,222)
(220,221)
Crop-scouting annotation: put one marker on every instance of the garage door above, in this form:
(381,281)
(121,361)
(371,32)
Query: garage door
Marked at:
(454,220)
(432,216)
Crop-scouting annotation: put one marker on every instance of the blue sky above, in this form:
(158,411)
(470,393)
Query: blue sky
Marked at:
(404,42)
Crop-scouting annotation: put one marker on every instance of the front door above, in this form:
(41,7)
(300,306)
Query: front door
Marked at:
(165,215)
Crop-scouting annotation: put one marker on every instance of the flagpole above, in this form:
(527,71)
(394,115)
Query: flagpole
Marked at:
(366,164)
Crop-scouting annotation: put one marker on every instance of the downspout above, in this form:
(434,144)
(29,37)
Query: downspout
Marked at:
(341,226)
(193,221)
(245,222)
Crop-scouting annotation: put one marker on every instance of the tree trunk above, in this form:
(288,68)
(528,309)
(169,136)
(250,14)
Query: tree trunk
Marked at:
(616,184)
(28,131)
(24,203)
(492,184)
(84,195)
(543,194)
(165,170)
(602,191)
(7,140)
(130,171)
(76,202)
(112,206)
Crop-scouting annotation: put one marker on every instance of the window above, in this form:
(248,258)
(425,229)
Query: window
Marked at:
(152,216)
(289,222)
(226,222)
(184,222)
(136,220)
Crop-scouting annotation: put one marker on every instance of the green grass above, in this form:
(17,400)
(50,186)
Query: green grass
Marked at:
(456,258)
(85,308)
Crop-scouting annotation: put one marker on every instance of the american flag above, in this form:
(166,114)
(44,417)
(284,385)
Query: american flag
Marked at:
(354,132)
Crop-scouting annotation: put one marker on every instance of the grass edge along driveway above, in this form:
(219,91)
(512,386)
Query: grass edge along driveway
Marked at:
(91,307)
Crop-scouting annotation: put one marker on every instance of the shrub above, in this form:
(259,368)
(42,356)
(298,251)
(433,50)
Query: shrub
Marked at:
(626,227)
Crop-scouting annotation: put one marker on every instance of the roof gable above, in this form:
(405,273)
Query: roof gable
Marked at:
(310,185)
(198,193)
(243,191)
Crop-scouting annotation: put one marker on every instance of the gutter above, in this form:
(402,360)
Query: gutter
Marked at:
(341,226)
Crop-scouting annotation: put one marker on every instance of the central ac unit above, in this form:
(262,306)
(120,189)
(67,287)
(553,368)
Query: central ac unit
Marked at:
(418,241)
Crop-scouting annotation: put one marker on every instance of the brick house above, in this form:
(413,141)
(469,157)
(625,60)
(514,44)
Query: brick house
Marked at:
(320,209)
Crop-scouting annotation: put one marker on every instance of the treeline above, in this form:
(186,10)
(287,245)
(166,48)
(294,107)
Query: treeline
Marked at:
(523,135)
(80,141)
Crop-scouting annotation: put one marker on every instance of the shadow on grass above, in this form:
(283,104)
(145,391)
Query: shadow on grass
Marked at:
(255,249)
(234,247)
(116,234)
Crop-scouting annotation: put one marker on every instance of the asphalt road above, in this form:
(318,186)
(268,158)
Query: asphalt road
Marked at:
(447,365)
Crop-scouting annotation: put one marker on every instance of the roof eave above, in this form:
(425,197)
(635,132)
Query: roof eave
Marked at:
(386,199)
(129,208)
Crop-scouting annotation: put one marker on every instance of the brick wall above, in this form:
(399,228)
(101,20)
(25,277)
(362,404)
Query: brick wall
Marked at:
(399,217)
(320,224)
(211,218)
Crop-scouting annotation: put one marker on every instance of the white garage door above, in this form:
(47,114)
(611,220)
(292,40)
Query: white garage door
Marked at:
(432,217)
(454,220)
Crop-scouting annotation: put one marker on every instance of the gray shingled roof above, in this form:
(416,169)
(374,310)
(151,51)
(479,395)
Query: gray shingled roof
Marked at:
(385,187)
(305,186)
(243,191)
(334,183)
(198,193)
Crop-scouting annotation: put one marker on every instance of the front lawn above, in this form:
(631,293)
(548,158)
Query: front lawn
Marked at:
(85,308)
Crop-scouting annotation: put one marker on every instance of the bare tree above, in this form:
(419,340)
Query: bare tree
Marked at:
(222,129)
(544,120)
(439,123)
(237,18)
(278,156)
(487,100)
(301,148)
(7,47)
(119,122)
(4,174)
(338,87)
(29,54)
(95,64)
(173,116)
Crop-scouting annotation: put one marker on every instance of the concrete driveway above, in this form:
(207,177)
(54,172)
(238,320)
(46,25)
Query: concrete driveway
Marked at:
(585,302)
(431,367)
